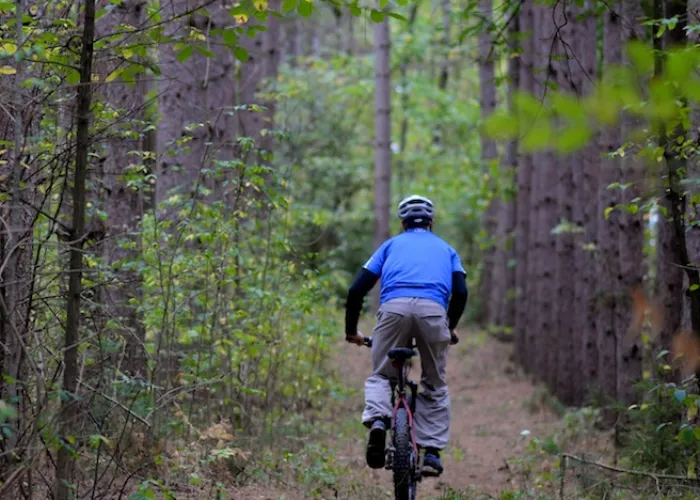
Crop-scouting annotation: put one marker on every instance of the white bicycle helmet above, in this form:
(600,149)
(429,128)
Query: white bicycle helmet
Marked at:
(416,208)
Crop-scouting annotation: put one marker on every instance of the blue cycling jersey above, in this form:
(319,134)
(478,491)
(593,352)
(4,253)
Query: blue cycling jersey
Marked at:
(415,264)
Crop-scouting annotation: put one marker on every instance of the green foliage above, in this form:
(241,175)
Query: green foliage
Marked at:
(624,90)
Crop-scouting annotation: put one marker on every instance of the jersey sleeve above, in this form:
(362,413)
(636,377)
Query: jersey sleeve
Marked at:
(376,261)
(457,263)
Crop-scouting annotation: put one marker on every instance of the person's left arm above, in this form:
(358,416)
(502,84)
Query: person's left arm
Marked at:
(458,298)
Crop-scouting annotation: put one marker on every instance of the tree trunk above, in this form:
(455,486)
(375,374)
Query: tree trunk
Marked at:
(561,372)
(608,269)
(586,216)
(525,224)
(633,266)
(502,300)
(193,92)
(544,198)
(489,153)
(405,97)
(69,406)
(382,159)
(16,247)
(122,204)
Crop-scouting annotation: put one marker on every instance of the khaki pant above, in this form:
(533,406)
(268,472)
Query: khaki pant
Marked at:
(398,322)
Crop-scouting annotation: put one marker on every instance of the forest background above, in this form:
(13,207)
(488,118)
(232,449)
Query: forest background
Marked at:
(187,189)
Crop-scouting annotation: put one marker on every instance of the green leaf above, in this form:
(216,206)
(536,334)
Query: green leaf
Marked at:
(686,436)
(573,137)
(72,76)
(304,8)
(185,53)
(230,37)
(501,125)
(288,5)
(205,52)
(241,54)
(694,287)
(641,56)
(396,15)
(377,16)
(355,10)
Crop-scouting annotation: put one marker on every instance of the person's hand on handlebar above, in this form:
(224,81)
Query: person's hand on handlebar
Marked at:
(358,339)
(453,337)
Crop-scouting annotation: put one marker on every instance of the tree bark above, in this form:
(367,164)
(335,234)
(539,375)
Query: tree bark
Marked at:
(16,246)
(489,153)
(608,269)
(633,266)
(545,255)
(382,159)
(69,407)
(405,96)
(561,373)
(525,224)
(502,300)
(586,215)
(205,85)
(122,203)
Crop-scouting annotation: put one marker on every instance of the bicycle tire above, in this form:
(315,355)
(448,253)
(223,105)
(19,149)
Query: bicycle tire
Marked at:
(404,458)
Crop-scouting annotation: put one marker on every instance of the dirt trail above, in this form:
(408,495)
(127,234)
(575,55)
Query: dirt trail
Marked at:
(491,406)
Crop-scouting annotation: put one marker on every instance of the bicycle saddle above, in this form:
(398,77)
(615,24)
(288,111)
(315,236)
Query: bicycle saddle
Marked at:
(401,353)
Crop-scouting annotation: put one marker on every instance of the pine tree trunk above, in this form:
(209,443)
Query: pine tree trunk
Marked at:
(489,153)
(122,204)
(544,310)
(382,161)
(631,239)
(525,224)
(561,373)
(608,259)
(196,91)
(586,216)
(502,301)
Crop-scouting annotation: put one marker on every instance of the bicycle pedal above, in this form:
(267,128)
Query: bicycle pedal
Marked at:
(389,459)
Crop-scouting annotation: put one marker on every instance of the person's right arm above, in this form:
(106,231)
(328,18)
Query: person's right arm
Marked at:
(363,283)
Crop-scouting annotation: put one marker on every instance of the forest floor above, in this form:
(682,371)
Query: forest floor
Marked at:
(496,412)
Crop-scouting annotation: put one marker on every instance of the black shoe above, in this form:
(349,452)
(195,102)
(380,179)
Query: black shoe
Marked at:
(376,445)
(431,464)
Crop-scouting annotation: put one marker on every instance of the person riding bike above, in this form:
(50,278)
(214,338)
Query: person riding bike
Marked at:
(419,274)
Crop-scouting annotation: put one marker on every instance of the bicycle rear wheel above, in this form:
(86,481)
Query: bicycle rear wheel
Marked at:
(404,465)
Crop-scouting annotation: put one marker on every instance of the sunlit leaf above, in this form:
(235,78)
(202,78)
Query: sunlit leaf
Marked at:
(641,55)
(304,8)
(288,5)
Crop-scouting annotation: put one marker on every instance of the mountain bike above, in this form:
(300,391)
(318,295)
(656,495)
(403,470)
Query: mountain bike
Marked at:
(402,455)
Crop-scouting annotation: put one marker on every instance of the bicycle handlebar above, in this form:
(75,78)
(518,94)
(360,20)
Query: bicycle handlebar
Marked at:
(368,341)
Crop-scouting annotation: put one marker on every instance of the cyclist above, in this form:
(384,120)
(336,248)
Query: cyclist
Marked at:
(419,274)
